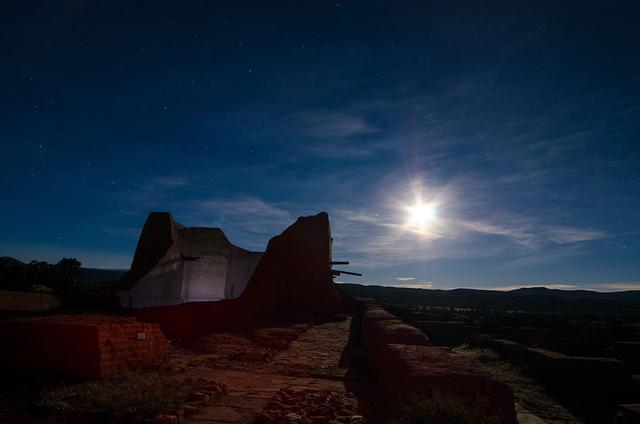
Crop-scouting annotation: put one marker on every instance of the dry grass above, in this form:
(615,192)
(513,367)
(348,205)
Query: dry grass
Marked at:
(132,397)
(443,409)
(16,301)
(528,394)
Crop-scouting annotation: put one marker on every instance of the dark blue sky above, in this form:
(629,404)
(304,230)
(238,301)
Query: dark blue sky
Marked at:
(517,122)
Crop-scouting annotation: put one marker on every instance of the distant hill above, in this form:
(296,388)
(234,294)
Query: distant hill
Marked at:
(8,260)
(538,299)
(93,275)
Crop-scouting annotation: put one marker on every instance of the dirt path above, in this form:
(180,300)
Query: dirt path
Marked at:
(317,378)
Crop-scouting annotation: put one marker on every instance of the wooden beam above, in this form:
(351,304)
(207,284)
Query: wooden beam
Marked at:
(339,271)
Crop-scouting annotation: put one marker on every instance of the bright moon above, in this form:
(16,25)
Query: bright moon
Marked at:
(421,214)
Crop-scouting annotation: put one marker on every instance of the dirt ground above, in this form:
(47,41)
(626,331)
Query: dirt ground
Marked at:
(296,373)
(275,372)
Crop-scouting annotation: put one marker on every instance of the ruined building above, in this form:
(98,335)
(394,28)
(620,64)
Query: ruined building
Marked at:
(175,264)
(176,268)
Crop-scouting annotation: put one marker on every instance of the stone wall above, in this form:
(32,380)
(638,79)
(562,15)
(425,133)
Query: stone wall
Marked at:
(448,333)
(575,377)
(629,352)
(81,346)
(403,363)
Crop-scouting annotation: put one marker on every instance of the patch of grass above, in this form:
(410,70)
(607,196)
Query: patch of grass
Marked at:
(530,395)
(488,357)
(132,397)
(444,409)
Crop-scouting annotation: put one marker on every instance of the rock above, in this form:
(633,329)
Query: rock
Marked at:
(357,419)
(267,418)
(293,416)
(164,419)
(198,397)
(189,410)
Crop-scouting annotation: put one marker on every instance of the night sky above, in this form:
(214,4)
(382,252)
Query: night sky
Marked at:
(514,126)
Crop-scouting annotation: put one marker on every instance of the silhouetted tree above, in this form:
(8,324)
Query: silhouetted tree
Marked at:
(39,272)
(65,277)
(68,277)
(13,275)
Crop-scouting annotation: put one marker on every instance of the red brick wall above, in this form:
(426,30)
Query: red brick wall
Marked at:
(52,347)
(80,346)
(197,318)
(120,350)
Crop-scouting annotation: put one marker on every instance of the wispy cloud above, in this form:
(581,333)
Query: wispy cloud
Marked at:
(413,285)
(564,235)
(333,124)
(354,149)
(340,134)
(244,207)
(405,278)
(378,236)
(619,286)
(529,233)
(248,221)
(419,285)
(170,182)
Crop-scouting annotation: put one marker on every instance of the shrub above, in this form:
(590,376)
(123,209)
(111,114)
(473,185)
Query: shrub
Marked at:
(41,288)
(444,409)
(131,397)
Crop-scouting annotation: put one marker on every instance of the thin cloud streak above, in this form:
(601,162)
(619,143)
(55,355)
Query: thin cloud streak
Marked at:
(333,124)
(620,286)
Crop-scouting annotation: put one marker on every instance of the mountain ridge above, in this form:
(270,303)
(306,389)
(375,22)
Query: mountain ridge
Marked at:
(525,299)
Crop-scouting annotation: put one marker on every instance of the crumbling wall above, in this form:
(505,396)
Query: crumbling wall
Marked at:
(294,274)
(403,363)
(80,346)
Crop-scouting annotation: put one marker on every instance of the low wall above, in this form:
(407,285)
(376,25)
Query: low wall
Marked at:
(629,414)
(403,363)
(629,352)
(575,376)
(192,319)
(448,333)
(80,346)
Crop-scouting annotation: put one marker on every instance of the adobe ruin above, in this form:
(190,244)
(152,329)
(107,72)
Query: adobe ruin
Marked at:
(175,264)
(293,276)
